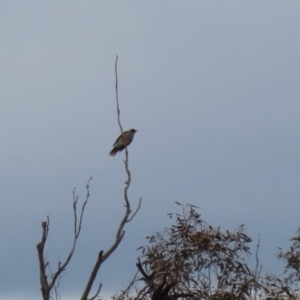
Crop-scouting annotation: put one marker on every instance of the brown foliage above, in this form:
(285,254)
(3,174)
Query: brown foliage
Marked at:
(194,260)
(197,256)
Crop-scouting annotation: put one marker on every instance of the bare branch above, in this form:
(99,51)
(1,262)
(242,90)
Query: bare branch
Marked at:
(83,206)
(46,285)
(138,208)
(117,95)
(120,231)
(56,285)
(77,230)
(42,263)
(97,292)
(93,276)
(257,266)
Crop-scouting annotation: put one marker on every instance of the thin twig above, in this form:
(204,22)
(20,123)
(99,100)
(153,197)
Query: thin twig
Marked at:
(120,231)
(124,293)
(138,208)
(97,292)
(117,95)
(257,270)
(126,161)
(142,291)
(83,205)
(77,230)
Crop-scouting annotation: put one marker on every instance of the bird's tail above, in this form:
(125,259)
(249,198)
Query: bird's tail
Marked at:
(113,152)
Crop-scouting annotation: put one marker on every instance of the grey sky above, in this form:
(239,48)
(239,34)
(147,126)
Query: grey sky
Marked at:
(212,87)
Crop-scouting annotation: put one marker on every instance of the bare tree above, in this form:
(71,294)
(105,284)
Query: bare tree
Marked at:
(50,280)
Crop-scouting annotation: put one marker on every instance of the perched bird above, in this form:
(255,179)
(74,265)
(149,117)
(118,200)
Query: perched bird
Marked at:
(122,141)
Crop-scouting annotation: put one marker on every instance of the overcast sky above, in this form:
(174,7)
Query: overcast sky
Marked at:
(213,88)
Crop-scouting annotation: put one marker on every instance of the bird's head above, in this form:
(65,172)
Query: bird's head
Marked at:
(133,131)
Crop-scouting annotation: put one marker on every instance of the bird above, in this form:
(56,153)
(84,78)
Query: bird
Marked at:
(124,140)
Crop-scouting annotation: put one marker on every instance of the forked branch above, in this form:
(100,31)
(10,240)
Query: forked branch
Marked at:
(48,280)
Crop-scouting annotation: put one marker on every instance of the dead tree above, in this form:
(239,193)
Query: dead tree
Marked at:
(49,280)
